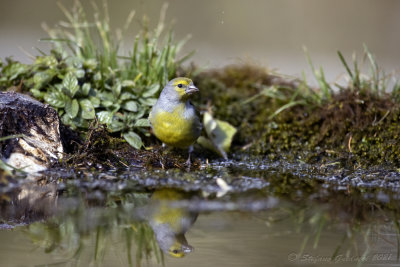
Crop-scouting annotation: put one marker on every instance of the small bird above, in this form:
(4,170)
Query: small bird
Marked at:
(170,223)
(173,118)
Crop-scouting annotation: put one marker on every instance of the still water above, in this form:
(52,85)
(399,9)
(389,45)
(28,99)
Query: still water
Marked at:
(226,214)
(219,239)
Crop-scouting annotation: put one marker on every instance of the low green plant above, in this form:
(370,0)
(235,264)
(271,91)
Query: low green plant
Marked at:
(84,77)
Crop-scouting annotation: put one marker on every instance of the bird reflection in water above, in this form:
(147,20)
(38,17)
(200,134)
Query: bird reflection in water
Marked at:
(170,219)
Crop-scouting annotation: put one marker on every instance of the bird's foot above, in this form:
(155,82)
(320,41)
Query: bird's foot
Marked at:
(162,165)
(188,162)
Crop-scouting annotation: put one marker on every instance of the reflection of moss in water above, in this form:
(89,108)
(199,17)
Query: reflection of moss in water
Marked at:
(146,243)
(72,233)
(125,219)
(68,240)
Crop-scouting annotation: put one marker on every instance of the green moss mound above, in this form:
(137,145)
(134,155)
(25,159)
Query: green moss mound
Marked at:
(356,126)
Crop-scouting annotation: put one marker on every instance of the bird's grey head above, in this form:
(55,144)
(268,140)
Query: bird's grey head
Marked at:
(179,89)
(171,243)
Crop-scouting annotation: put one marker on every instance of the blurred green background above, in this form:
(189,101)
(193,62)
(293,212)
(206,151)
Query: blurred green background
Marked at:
(265,32)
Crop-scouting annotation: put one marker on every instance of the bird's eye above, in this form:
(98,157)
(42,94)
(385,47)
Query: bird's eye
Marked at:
(180,85)
(175,251)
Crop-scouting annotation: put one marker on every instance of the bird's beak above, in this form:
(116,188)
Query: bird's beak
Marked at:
(187,249)
(191,89)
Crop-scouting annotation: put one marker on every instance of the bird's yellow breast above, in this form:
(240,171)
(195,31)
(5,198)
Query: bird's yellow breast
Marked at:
(173,129)
(167,214)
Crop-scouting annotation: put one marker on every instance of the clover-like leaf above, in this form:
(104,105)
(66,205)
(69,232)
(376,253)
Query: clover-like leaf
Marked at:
(128,83)
(66,119)
(149,92)
(42,78)
(85,89)
(126,96)
(37,93)
(46,62)
(105,117)
(90,64)
(148,101)
(80,122)
(139,114)
(142,123)
(55,98)
(75,62)
(116,125)
(95,101)
(87,108)
(70,82)
(106,103)
(116,89)
(107,98)
(79,73)
(133,139)
(14,69)
(130,106)
(72,108)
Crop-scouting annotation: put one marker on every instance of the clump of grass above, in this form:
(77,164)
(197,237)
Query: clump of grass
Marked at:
(84,76)
(376,82)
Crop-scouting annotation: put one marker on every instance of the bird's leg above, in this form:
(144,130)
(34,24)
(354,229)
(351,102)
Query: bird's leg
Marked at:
(163,152)
(188,162)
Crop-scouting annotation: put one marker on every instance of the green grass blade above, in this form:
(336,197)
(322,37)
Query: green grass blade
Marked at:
(345,64)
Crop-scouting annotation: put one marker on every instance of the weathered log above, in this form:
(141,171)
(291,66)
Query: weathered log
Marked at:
(38,123)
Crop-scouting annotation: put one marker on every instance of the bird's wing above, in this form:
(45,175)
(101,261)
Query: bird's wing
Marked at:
(199,125)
